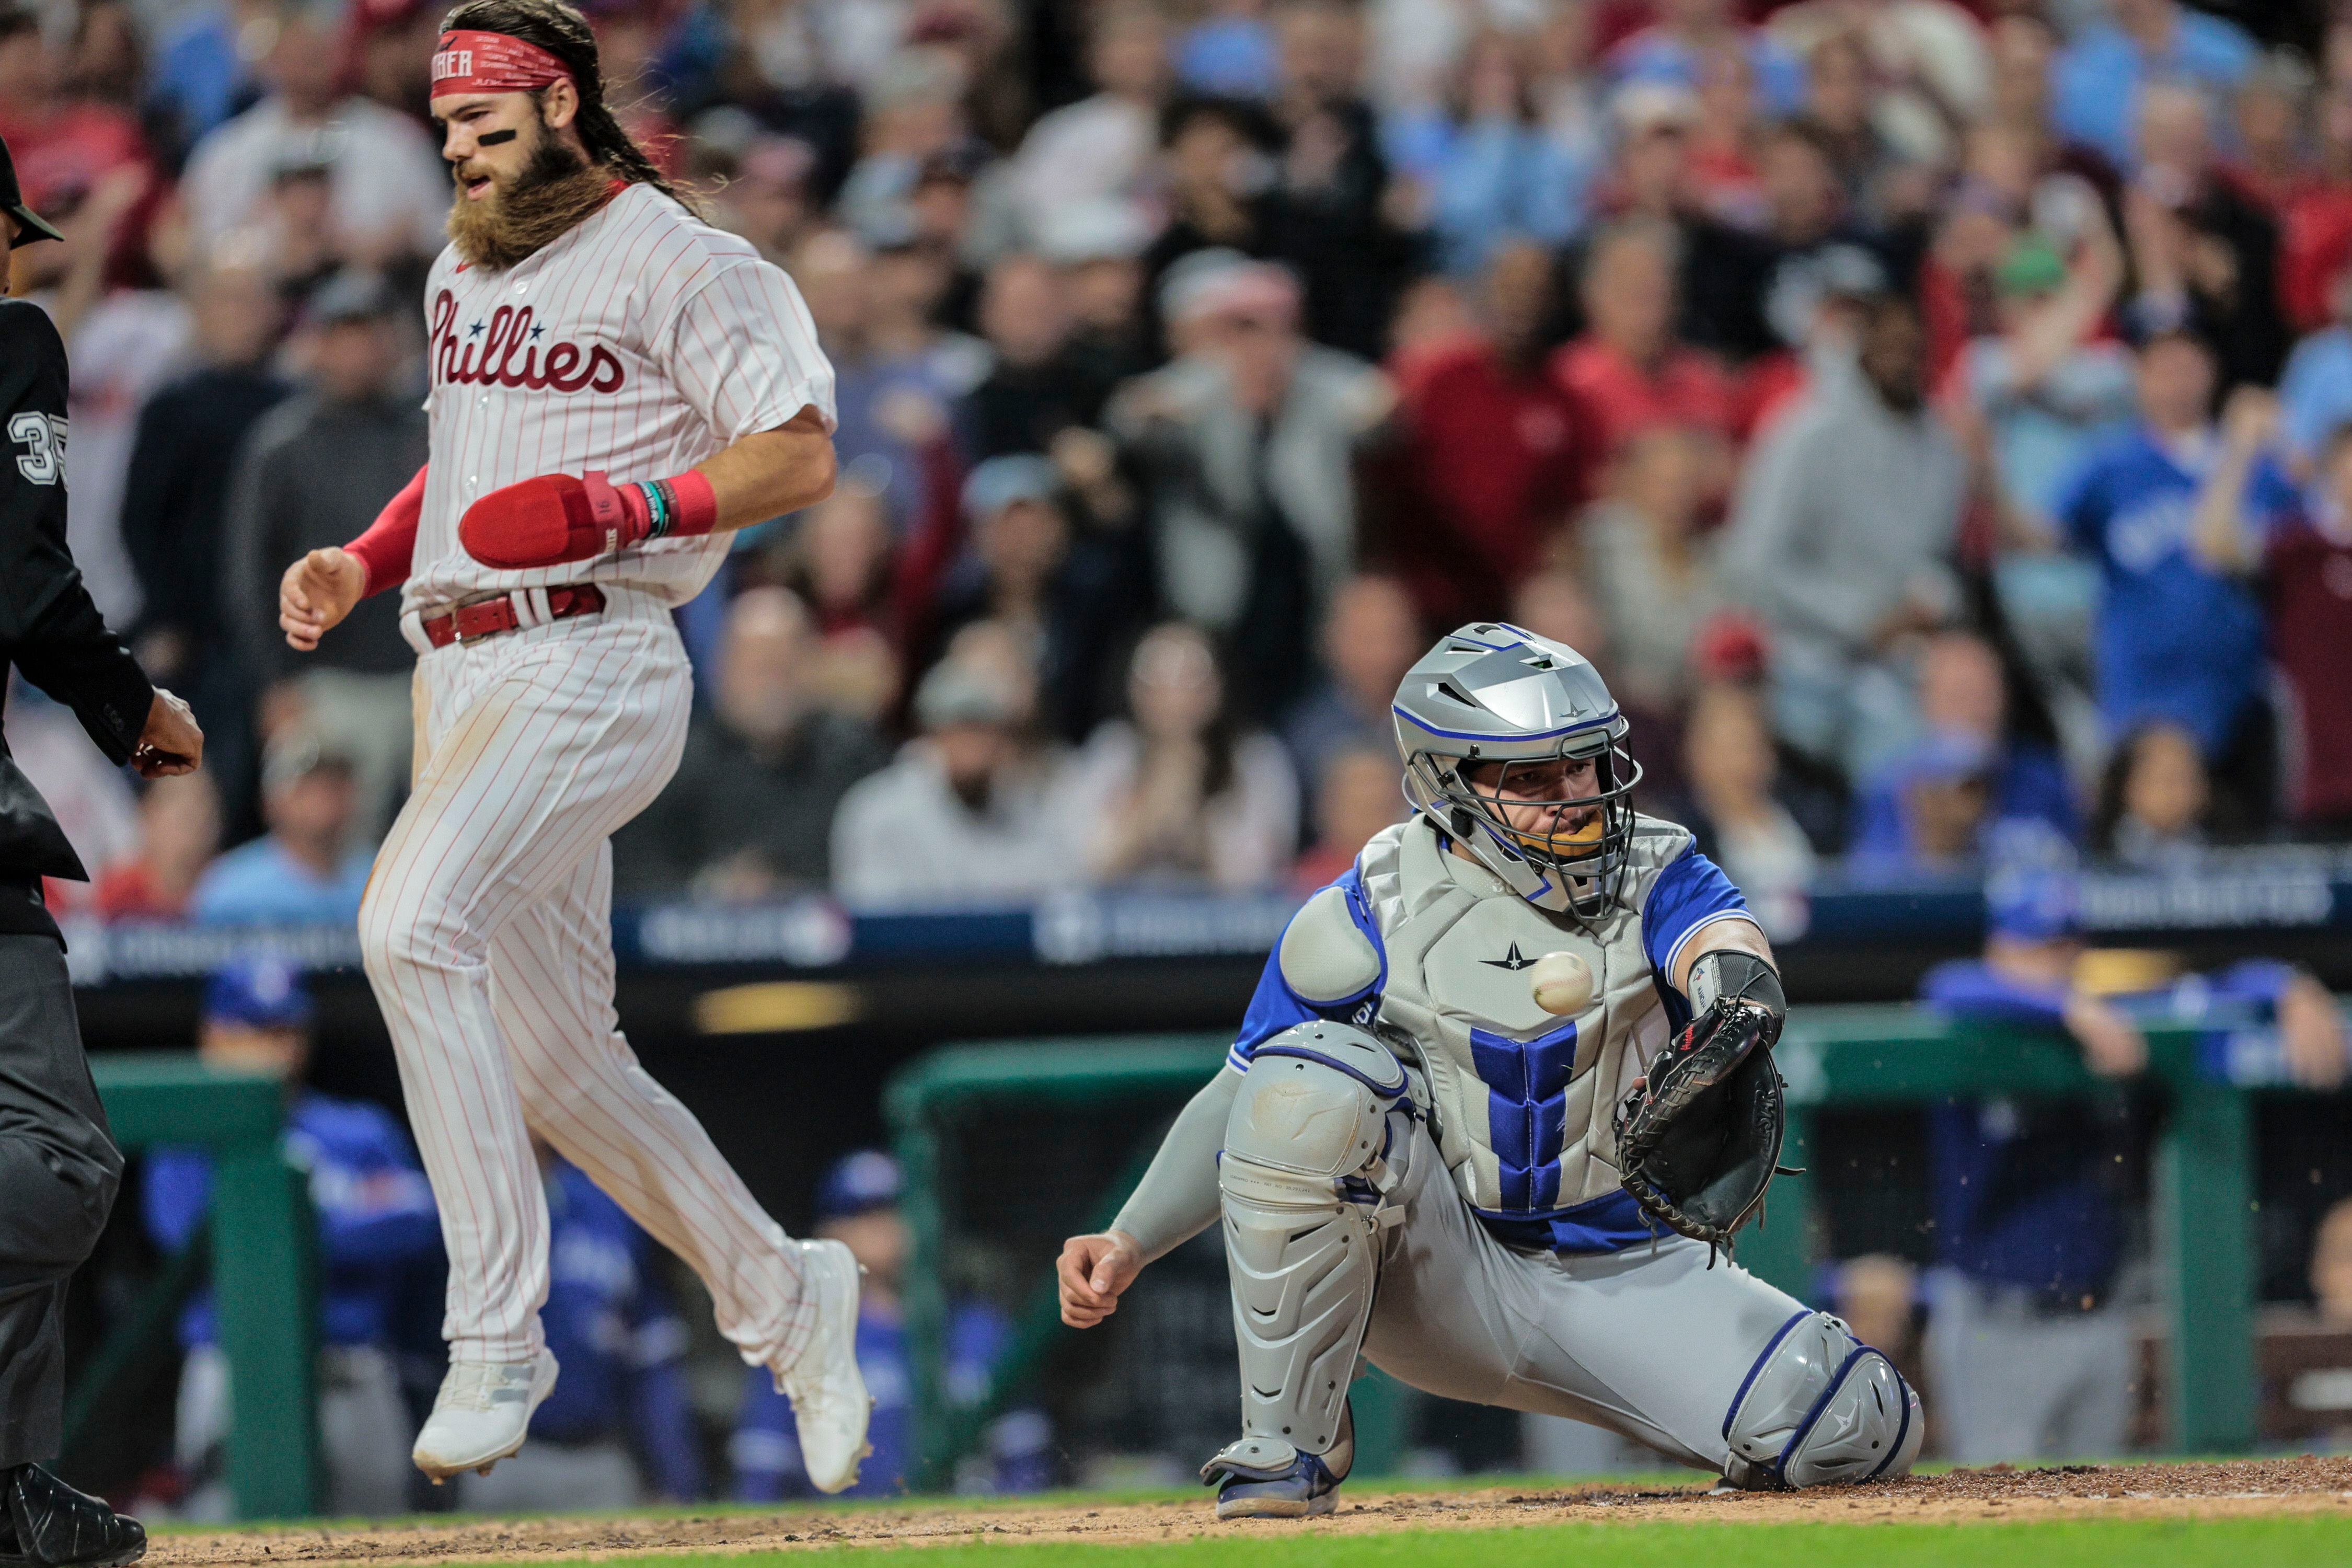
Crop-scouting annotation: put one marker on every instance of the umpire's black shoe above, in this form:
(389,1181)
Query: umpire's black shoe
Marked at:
(48,1524)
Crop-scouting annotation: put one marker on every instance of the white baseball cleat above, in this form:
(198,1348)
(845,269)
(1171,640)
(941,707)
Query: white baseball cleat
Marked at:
(830,1404)
(481,1415)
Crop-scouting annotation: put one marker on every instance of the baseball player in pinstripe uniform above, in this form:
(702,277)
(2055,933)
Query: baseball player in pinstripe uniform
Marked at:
(615,384)
(1489,1073)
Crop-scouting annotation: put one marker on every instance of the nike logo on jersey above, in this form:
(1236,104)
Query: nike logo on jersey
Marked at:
(1510,960)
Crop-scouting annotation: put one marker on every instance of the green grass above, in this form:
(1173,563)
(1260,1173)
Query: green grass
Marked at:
(2302,1542)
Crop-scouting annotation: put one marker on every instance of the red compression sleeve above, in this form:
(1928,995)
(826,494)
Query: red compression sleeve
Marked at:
(386,547)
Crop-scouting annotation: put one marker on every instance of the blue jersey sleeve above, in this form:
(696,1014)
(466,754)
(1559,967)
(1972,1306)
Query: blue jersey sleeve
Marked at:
(977,1338)
(1967,988)
(2258,980)
(374,1203)
(1274,1006)
(175,1185)
(2270,496)
(765,1449)
(1691,891)
(662,1426)
(2082,507)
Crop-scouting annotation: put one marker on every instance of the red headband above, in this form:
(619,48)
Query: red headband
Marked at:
(493,62)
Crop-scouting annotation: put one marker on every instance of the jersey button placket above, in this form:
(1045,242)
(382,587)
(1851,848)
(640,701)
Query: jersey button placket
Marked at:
(520,285)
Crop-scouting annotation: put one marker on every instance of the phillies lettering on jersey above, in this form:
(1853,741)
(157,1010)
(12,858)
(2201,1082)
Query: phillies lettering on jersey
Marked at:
(638,345)
(484,353)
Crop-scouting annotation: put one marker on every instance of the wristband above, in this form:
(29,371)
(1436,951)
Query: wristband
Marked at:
(678,507)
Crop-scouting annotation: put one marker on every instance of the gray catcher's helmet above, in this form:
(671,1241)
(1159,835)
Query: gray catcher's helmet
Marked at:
(1493,693)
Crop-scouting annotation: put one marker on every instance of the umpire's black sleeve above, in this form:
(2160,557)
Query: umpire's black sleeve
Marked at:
(48,626)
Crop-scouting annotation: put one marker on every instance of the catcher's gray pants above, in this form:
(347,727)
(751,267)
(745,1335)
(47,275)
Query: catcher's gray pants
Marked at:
(1649,1343)
(2016,1381)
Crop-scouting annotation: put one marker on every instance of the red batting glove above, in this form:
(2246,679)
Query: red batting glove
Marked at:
(553,518)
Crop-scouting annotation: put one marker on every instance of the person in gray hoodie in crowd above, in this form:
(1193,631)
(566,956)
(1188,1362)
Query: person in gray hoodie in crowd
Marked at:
(1840,539)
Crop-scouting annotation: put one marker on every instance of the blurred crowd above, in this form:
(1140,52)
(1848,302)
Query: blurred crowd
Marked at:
(1935,419)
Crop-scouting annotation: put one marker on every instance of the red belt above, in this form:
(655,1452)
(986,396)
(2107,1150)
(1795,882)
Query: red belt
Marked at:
(470,622)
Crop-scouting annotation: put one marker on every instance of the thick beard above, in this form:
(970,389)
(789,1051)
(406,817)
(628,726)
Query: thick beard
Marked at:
(556,191)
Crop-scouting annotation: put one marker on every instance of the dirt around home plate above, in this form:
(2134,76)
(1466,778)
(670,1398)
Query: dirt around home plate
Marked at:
(2304,1485)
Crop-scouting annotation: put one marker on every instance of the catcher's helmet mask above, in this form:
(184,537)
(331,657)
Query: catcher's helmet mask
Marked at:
(1468,702)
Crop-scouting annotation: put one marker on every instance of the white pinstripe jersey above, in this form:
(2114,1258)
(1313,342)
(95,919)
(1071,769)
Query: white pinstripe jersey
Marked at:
(637,344)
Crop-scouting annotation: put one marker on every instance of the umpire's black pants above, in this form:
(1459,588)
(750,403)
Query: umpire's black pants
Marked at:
(59,1171)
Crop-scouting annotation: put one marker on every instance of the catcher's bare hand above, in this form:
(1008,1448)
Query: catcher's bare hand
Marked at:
(317,592)
(170,744)
(1094,1271)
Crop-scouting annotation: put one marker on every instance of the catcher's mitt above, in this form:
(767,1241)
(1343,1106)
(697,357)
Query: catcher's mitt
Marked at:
(1700,1139)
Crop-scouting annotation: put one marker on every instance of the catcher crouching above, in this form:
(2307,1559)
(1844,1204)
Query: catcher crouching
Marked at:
(1415,1163)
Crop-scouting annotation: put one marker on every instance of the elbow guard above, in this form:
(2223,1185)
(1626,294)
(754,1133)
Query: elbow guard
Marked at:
(1731,974)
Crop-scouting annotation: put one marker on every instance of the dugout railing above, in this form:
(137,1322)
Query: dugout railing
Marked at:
(257,1247)
(1833,1057)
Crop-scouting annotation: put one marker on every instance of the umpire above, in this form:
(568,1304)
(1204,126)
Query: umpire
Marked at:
(59,1168)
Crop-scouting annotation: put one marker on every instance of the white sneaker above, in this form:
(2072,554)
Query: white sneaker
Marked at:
(481,1415)
(830,1404)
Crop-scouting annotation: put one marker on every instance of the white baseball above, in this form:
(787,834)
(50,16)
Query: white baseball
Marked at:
(1563,983)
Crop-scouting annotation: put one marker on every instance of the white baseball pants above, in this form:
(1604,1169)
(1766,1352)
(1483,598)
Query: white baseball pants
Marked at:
(487,935)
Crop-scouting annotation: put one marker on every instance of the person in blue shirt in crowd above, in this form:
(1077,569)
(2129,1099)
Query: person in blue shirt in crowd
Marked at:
(2177,639)
(1493,170)
(2315,390)
(1671,50)
(2095,81)
(1230,52)
(202,73)
(1927,813)
(306,870)
(2029,1351)
(377,1231)
(858,1204)
(619,1429)
(1963,710)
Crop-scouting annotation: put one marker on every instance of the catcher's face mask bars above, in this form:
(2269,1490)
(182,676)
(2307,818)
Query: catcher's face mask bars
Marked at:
(1581,836)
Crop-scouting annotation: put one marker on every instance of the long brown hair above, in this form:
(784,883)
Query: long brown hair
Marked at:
(564,33)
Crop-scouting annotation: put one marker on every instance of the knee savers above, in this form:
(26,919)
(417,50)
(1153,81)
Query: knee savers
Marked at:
(1820,1406)
(1304,1182)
